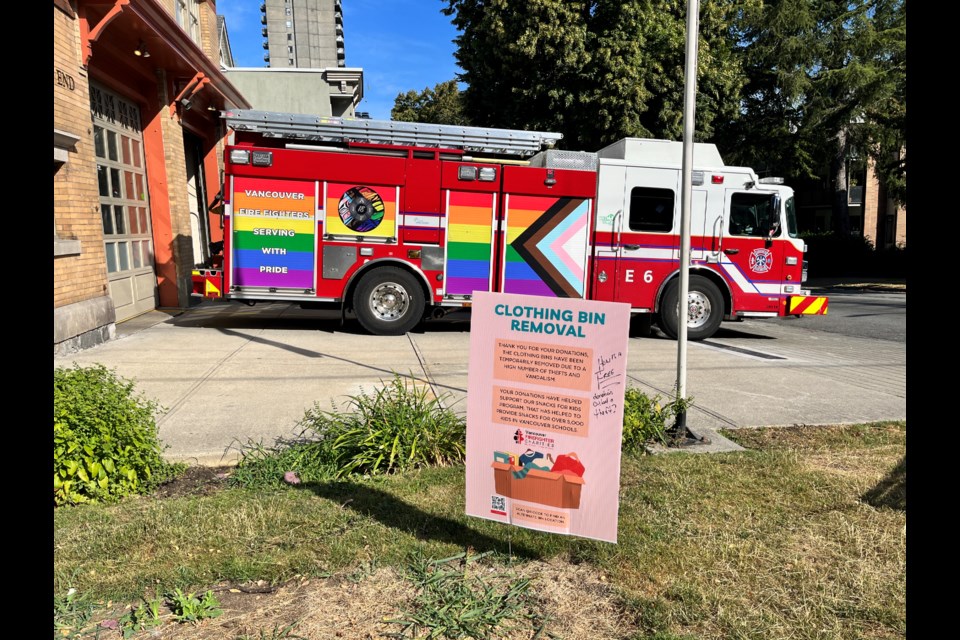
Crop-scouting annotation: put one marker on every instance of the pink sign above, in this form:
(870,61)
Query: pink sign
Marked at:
(545,412)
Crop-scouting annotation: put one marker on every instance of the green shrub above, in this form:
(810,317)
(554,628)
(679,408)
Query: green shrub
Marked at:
(400,426)
(105,438)
(646,419)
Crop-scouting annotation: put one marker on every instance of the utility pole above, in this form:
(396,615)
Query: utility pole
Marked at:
(680,433)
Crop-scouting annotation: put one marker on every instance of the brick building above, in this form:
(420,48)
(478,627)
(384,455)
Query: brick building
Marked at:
(137,157)
(884,221)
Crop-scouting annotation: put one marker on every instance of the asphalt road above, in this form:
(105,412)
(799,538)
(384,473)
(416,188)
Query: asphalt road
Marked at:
(861,314)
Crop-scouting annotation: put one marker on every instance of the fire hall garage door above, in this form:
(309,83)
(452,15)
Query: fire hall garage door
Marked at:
(124,207)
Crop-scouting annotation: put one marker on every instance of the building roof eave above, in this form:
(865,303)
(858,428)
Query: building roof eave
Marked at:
(181,54)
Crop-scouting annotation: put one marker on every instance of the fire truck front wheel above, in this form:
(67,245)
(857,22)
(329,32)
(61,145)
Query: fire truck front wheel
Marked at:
(704,308)
(388,302)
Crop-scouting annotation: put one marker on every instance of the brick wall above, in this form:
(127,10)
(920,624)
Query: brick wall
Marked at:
(875,205)
(76,207)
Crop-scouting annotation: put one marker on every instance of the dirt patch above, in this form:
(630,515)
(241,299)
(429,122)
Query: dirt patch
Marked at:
(198,481)
(364,605)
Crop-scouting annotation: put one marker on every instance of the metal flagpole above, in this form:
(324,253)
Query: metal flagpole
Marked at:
(681,433)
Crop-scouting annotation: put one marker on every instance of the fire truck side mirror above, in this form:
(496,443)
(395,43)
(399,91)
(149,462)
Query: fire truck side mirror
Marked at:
(216,207)
(773,233)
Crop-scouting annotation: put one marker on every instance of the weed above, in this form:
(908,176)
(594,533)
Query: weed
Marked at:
(451,604)
(364,571)
(277,633)
(71,614)
(262,466)
(398,427)
(646,419)
(189,607)
(146,615)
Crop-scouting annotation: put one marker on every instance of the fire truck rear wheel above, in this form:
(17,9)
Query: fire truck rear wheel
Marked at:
(389,302)
(704,311)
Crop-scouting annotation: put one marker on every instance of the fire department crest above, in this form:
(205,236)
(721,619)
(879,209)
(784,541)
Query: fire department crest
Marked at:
(761,260)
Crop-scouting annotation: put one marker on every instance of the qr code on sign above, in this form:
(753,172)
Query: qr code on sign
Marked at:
(498,503)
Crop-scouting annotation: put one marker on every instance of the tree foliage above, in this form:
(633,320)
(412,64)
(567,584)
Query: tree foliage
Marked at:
(823,80)
(522,61)
(594,70)
(789,87)
(442,104)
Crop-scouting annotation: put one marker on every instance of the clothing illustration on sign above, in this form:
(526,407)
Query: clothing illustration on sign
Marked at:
(533,477)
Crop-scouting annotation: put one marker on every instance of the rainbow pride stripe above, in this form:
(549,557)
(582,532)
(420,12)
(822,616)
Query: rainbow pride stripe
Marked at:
(469,251)
(546,246)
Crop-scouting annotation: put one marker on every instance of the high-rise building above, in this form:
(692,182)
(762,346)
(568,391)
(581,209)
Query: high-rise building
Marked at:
(306,71)
(303,33)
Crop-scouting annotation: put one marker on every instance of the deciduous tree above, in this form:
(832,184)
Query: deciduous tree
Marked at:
(440,105)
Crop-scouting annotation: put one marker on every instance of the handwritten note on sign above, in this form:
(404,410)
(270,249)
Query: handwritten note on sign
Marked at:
(545,412)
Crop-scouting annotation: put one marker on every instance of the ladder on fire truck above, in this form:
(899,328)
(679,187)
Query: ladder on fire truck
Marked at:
(305,128)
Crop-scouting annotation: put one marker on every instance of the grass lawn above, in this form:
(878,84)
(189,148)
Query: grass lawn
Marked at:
(803,535)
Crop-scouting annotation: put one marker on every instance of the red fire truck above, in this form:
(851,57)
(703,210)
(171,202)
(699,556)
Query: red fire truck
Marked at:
(399,222)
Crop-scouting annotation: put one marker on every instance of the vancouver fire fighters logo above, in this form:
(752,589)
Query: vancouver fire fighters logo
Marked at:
(761,260)
(361,209)
(518,437)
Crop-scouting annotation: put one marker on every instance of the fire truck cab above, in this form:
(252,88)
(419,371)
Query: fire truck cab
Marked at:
(746,259)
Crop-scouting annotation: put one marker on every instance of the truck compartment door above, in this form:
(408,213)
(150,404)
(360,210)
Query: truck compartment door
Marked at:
(469,220)
(546,231)
(274,236)
(649,240)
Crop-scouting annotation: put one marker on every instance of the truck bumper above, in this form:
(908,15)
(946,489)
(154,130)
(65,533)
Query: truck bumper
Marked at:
(806,306)
(207,283)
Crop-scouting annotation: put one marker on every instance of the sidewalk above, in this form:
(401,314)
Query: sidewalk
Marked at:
(857,283)
(229,374)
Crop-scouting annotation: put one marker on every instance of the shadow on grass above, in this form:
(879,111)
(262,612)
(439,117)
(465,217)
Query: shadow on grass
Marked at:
(397,514)
(891,492)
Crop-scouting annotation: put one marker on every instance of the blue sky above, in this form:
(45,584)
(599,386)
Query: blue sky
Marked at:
(399,44)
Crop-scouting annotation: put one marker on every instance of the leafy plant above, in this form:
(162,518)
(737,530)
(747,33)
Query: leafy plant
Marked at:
(146,615)
(646,419)
(452,604)
(400,426)
(105,438)
(189,607)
